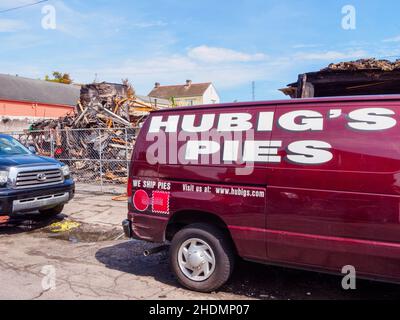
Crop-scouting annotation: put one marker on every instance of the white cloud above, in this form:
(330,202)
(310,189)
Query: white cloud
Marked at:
(302,46)
(214,54)
(394,39)
(11,25)
(171,69)
(149,24)
(234,70)
(29,71)
(69,22)
(21,40)
(331,55)
(225,67)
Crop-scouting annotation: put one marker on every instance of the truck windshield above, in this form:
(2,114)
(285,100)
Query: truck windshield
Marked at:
(10,146)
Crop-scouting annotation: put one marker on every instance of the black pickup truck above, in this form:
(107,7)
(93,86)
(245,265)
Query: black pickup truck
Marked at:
(29,182)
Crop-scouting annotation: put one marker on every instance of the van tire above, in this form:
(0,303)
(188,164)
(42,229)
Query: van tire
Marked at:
(221,247)
(53,211)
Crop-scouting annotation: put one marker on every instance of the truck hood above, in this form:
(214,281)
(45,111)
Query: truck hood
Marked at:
(25,160)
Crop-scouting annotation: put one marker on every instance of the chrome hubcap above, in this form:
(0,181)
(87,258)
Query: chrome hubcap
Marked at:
(196,260)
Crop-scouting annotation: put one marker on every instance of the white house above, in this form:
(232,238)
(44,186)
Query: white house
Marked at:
(189,94)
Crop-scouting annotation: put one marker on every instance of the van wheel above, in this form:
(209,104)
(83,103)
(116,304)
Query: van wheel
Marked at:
(201,257)
(53,211)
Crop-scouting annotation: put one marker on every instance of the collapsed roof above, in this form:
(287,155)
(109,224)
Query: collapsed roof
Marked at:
(361,77)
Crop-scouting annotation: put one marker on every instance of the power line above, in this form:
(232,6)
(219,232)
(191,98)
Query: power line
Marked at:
(23,6)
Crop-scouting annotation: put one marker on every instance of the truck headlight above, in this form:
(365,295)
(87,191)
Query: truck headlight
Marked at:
(65,170)
(3,178)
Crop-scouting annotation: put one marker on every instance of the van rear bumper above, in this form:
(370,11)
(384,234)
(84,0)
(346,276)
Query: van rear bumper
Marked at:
(145,227)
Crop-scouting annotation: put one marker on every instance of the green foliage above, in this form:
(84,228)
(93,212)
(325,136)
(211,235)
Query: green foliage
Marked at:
(59,78)
(172,100)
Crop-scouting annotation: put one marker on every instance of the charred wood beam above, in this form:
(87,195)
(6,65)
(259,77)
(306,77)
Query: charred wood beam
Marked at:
(305,89)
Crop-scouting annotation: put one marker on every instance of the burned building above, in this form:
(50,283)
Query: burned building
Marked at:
(361,77)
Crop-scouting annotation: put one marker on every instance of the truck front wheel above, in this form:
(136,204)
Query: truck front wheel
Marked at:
(53,211)
(201,257)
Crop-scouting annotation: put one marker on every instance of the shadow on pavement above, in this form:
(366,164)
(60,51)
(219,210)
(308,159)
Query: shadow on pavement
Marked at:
(278,283)
(128,257)
(249,279)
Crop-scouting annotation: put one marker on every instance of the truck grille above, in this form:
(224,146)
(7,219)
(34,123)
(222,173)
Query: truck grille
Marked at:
(38,178)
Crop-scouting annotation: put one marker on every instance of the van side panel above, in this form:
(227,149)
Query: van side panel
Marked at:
(244,215)
(241,209)
(346,211)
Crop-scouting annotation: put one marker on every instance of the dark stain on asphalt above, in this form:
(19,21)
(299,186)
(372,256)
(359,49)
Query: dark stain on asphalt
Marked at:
(39,226)
(28,223)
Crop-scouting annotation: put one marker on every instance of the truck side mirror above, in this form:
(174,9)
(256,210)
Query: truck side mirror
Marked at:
(32,149)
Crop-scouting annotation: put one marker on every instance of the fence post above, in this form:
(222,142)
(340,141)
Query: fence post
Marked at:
(101,161)
(52,152)
(127,153)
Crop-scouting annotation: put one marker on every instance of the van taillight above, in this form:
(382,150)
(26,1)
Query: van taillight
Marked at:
(129,188)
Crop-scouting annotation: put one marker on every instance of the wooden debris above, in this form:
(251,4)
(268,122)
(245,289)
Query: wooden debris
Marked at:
(99,135)
(365,64)
(102,105)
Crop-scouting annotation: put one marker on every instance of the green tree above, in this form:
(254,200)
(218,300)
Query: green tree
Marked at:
(59,77)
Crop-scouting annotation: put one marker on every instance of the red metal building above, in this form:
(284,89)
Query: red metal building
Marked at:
(23,101)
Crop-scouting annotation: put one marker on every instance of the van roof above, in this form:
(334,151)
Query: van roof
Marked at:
(389,97)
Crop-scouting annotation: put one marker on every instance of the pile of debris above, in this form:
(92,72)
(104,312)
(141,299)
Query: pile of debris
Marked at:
(114,113)
(101,105)
(365,64)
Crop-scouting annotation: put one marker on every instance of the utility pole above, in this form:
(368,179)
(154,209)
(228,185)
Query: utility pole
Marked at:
(253,87)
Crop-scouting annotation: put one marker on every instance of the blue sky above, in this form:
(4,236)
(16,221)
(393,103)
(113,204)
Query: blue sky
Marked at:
(230,43)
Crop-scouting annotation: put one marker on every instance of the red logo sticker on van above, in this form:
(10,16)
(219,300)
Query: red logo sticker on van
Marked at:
(141,200)
(161,202)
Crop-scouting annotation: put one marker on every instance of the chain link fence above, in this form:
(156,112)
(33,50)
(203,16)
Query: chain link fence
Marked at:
(97,157)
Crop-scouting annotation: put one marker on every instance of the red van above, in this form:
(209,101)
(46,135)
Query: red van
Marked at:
(308,183)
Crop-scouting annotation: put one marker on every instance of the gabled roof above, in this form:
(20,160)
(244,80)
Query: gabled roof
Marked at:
(177,91)
(37,91)
(153,101)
